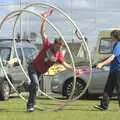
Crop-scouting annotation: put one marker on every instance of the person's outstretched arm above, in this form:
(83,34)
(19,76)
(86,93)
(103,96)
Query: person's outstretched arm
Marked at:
(107,61)
(43,24)
(66,65)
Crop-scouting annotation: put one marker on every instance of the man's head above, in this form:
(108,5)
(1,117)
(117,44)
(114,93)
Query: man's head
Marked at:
(115,34)
(58,43)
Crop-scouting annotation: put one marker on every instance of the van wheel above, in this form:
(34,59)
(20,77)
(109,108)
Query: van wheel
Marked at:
(68,86)
(4,90)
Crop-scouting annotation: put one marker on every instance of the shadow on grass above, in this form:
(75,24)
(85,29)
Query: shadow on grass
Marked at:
(69,104)
(12,97)
(92,109)
(12,110)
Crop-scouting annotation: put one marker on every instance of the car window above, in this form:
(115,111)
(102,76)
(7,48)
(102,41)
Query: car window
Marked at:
(20,55)
(5,53)
(29,53)
(19,51)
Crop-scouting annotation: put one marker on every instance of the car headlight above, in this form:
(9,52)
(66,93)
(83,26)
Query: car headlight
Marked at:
(55,79)
(55,87)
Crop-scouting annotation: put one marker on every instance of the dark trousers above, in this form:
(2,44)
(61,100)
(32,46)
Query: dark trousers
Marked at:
(112,82)
(33,87)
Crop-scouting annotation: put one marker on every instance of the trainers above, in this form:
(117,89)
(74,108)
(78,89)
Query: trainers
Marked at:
(100,107)
(30,109)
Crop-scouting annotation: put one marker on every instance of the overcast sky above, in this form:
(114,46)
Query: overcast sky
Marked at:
(90,15)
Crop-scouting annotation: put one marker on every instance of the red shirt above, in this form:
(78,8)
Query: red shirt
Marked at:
(39,62)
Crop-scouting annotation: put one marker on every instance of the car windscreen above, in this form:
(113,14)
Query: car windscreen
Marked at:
(29,53)
(5,53)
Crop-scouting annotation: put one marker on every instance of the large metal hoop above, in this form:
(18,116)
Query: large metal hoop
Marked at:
(56,31)
(19,61)
(69,19)
(74,24)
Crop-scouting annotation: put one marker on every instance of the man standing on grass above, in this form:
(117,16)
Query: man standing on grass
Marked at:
(50,54)
(114,74)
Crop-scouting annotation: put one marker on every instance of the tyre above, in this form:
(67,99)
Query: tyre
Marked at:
(68,86)
(26,86)
(23,88)
(4,90)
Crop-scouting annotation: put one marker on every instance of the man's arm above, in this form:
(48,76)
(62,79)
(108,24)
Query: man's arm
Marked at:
(44,16)
(66,65)
(42,30)
(107,61)
(75,71)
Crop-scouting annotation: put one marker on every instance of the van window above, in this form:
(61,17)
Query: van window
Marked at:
(106,46)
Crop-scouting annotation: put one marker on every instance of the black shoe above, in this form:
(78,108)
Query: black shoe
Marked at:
(100,107)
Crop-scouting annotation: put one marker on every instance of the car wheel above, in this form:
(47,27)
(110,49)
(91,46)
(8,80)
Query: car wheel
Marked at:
(4,90)
(68,86)
(23,88)
(26,86)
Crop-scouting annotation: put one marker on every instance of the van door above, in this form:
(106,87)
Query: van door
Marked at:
(99,78)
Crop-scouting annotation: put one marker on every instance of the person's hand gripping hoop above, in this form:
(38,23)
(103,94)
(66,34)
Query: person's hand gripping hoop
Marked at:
(78,71)
(47,13)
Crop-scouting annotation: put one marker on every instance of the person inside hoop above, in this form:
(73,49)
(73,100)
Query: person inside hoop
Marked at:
(50,54)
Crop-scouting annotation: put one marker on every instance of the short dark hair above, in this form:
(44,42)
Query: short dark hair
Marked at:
(59,41)
(116,34)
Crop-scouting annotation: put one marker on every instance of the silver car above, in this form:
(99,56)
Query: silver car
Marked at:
(26,52)
(62,82)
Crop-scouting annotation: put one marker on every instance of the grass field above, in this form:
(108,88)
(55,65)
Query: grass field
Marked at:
(14,109)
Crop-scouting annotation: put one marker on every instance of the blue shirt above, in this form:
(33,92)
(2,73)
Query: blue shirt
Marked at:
(115,64)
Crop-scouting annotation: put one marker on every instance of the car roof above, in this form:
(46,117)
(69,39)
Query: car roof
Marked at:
(18,44)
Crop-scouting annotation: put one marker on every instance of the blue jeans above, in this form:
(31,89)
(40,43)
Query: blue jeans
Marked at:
(33,87)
